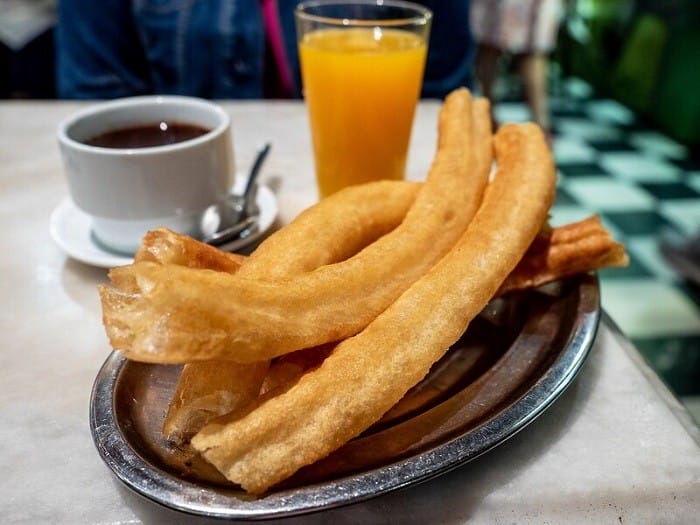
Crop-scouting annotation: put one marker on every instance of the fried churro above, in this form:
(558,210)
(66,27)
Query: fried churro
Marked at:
(177,316)
(299,348)
(367,374)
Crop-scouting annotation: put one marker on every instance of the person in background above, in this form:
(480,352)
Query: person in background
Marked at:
(219,49)
(213,49)
(451,48)
(526,29)
(26,48)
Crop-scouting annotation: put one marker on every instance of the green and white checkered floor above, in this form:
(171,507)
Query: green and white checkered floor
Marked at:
(643,185)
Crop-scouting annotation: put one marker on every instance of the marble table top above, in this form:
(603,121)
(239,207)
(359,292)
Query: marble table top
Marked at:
(617,447)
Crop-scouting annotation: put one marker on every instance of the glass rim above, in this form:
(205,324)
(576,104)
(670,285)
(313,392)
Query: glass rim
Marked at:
(419,15)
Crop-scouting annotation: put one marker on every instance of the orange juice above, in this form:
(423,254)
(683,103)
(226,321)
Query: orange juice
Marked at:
(361,86)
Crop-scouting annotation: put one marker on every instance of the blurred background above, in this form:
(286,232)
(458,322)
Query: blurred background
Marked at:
(624,101)
(642,53)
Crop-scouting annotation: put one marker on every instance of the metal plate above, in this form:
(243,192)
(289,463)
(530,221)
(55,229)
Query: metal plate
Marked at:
(515,359)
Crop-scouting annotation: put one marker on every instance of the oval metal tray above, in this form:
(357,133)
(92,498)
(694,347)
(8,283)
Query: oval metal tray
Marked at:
(515,359)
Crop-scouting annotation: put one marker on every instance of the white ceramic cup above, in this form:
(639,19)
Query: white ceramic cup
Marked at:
(128,191)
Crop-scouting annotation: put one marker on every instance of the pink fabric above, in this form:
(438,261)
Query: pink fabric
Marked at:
(518,26)
(274,36)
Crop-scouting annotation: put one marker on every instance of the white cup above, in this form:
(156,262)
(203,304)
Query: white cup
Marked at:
(128,191)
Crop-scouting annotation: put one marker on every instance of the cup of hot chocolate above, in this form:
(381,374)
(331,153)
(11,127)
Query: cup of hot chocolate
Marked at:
(138,163)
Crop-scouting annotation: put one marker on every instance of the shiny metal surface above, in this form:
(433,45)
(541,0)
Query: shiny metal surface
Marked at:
(515,359)
(241,212)
(237,232)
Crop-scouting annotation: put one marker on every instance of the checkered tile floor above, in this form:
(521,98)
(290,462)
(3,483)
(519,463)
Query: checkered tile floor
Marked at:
(643,185)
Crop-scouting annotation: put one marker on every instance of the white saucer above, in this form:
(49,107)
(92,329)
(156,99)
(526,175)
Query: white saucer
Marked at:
(71,229)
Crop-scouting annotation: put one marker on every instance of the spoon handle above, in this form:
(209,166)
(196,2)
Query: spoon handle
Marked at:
(259,159)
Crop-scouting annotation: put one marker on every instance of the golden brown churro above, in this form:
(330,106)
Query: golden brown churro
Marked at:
(167,247)
(367,374)
(177,316)
(337,315)
(208,389)
(333,230)
(580,247)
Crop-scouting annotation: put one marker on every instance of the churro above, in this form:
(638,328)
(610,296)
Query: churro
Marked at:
(367,374)
(177,315)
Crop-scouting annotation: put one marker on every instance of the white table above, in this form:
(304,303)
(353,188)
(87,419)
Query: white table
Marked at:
(615,448)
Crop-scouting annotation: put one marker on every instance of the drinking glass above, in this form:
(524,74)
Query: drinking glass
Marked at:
(362,64)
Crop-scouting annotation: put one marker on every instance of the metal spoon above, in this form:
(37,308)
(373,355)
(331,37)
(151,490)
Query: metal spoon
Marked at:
(248,193)
(241,211)
(239,231)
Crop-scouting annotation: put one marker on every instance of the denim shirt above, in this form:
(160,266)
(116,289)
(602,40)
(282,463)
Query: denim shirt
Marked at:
(210,48)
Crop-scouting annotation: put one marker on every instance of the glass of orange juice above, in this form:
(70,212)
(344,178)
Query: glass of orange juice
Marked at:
(362,65)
